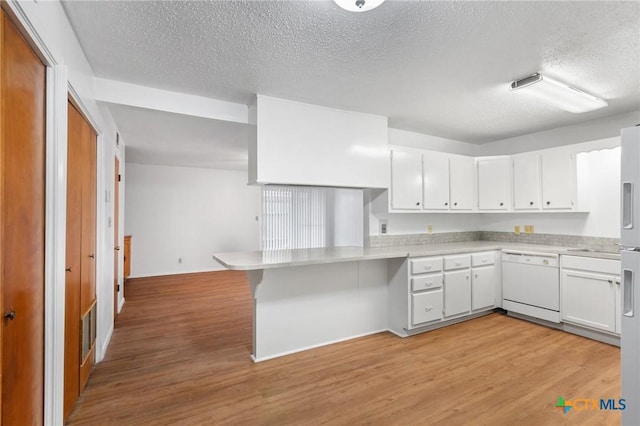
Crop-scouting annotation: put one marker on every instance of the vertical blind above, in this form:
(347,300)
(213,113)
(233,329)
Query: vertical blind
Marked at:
(308,217)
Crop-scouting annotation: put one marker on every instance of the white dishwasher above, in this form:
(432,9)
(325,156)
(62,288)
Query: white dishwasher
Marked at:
(531,284)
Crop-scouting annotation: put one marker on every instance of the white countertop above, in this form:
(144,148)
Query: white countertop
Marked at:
(250,260)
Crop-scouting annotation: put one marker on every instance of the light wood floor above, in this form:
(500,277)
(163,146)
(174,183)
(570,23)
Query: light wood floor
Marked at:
(180,355)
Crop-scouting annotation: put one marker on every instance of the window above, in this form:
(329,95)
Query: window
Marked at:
(307,217)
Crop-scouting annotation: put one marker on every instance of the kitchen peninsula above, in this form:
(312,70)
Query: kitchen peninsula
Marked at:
(307,298)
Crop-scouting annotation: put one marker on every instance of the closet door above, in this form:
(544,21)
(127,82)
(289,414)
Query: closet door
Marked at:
(81,257)
(73,253)
(22,210)
(88,256)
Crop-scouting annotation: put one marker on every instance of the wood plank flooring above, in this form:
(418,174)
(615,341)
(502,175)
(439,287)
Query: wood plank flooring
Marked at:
(180,355)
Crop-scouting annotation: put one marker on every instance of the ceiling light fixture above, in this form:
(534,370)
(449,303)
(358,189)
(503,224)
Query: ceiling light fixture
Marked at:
(358,5)
(557,94)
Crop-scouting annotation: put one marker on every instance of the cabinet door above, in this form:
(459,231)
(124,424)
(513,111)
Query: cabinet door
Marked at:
(558,180)
(494,184)
(462,181)
(435,178)
(526,182)
(426,307)
(457,292)
(483,284)
(589,299)
(406,180)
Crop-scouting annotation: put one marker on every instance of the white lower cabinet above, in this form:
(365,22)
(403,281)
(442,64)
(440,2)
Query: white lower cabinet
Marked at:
(457,285)
(591,293)
(483,287)
(457,292)
(426,291)
(426,307)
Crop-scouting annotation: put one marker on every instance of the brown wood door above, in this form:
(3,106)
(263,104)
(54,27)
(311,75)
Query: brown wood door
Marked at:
(88,241)
(22,212)
(80,293)
(116,230)
(73,264)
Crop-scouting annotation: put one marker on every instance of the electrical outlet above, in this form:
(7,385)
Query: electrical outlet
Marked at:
(179,260)
(528,229)
(429,229)
(516,229)
(383,228)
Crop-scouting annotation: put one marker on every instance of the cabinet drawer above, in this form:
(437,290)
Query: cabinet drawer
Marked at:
(457,262)
(426,307)
(485,258)
(426,282)
(426,265)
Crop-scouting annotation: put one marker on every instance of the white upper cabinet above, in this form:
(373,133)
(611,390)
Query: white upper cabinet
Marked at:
(406,180)
(435,178)
(558,180)
(302,144)
(526,182)
(494,183)
(462,182)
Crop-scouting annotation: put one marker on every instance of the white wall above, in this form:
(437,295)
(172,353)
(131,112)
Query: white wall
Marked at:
(431,143)
(187,213)
(588,131)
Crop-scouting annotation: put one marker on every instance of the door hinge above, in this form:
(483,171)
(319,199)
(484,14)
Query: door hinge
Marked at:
(119,178)
(118,288)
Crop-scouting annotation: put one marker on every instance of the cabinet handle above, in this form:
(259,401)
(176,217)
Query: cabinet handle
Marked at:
(426,268)
(548,202)
(458,263)
(530,203)
(610,281)
(118,248)
(428,308)
(10,315)
(92,256)
(455,204)
(502,204)
(476,275)
(68,269)
(446,204)
(467,277)
(418,203)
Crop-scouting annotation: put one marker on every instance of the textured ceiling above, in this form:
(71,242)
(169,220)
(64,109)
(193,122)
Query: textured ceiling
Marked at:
(440,68)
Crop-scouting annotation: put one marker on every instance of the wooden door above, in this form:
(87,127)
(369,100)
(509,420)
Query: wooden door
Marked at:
(88,241)
(116,230)
(73,255)
(80,292)
(22,209)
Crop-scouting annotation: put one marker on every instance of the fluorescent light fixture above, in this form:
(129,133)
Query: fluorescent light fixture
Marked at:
(358,5)
(557,94)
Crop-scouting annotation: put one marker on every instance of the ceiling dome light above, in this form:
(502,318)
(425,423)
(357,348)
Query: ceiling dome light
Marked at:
(358,5)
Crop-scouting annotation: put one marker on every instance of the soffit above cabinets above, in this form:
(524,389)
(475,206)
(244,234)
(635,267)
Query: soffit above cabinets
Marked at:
(439,68)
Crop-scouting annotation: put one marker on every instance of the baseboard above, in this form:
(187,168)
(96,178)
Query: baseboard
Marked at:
(278,355)
(120,305)
(164,274)
(103,348)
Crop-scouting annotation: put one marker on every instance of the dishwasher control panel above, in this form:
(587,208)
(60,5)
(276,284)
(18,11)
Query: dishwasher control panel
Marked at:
(531,259)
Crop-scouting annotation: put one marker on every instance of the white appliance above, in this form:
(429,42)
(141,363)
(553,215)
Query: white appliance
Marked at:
(531,284)
(630,247)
